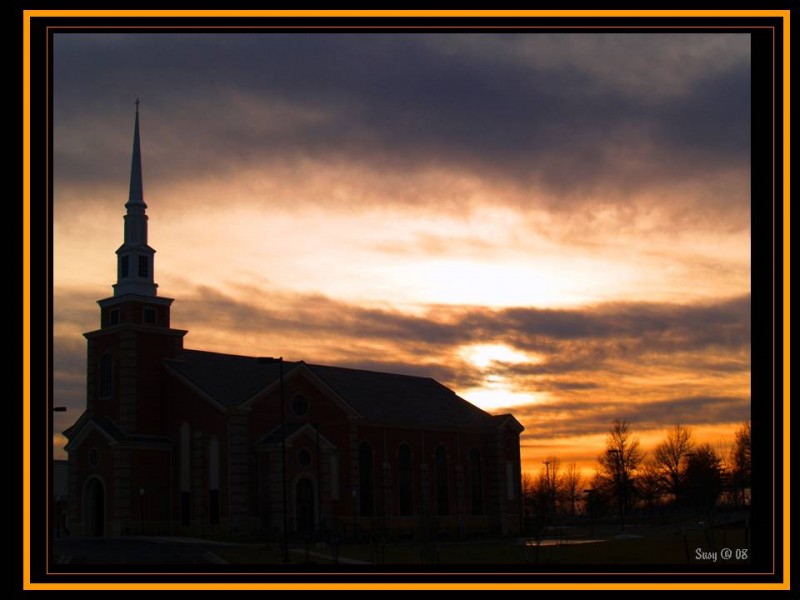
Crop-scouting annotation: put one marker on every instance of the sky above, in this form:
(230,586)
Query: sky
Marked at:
(554,225)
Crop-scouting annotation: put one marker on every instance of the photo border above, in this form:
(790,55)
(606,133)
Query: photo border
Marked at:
(395,18)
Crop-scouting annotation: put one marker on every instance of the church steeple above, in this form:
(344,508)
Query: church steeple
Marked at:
(135,259)
(136,195)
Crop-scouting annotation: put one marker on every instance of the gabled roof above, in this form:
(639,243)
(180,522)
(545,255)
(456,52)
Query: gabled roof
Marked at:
(508,420)
(390,398)
(402,399)
(290,431)
(227,378)
(275,435)
(88,422)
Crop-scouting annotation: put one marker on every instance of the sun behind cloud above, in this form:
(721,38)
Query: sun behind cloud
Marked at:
(558,225)
(483,355)
(498,391)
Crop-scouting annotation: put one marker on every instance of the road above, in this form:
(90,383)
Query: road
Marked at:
(134,550)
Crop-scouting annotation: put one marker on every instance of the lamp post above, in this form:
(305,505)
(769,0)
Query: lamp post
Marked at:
(550,503)
(55,513)
(284,538)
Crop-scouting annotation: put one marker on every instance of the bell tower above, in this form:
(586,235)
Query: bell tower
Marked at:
(135,259)
(125,353)
(122,436)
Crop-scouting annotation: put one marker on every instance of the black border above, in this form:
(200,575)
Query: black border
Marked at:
(767,289)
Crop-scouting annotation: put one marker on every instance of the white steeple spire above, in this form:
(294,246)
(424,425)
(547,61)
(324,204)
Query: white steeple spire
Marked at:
(135,259)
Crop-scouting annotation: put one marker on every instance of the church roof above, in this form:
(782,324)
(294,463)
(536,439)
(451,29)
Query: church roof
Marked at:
(228,378)
(391,398)
(402,399)
(113,433)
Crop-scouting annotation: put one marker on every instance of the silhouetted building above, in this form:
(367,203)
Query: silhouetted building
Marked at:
(60,498)
(185,441)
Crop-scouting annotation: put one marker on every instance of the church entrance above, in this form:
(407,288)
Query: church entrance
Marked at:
(94,505)
(304,506)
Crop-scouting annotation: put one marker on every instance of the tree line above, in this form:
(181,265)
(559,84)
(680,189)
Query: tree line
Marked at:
(680,474)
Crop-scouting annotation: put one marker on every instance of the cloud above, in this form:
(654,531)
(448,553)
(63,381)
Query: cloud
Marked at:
(652,67)
(567,340)
(69,379)
(652,363)
(619,159)
(564,121)
(566,419)
(628,328)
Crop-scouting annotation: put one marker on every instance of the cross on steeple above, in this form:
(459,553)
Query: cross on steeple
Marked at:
(137,105)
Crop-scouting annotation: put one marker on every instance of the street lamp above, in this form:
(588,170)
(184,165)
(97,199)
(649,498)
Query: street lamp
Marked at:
(284,539)
(550,488)
(53,512)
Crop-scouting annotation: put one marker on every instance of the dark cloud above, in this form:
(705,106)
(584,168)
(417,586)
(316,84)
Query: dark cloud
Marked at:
(614,330)
(565,419)
(493,106)
(565,123)
(583,354)
(711,338)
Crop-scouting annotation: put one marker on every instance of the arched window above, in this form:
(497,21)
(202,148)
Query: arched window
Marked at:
(106,375)
(366,478)
(442,499)
(300,405)
(475,481)
(404,480)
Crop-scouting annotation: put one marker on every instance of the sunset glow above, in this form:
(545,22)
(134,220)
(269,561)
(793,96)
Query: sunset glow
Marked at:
(483,355)
(554,225)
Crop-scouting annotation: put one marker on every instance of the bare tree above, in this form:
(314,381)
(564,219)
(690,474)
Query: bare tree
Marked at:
(597,499)
(573,485)
(671,458)
(704,478)
(741,467)
(619,462)
(550,483)
(527,498)
(528,482)
(651,483)
(536,506)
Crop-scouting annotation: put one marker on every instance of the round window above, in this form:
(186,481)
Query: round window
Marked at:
(304,458)
(299,405)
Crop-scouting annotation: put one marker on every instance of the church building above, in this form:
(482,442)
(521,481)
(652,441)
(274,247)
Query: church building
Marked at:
(176,441)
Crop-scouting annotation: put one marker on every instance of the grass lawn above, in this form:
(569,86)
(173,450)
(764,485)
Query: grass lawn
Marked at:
(250,554)
(661,549)
(658,548)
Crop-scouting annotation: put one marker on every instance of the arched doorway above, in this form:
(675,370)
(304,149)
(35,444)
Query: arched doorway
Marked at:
(94,507)
(304,506)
